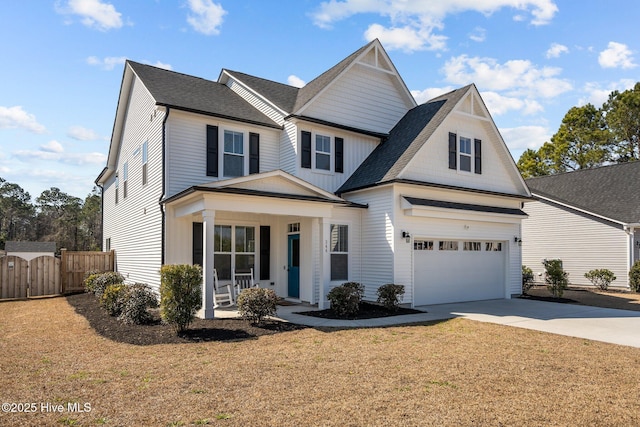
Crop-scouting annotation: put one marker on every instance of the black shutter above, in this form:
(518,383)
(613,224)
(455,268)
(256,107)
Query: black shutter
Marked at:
(453,151)
(198,244)
(265,252)
(212,150)
(254,153)
(339,167)
(306,150)
(478,155)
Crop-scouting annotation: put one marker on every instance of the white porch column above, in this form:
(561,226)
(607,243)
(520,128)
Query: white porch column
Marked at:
(325,263)
(208,220)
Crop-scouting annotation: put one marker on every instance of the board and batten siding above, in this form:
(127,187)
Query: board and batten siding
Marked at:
(363,98)
(377,238)
(431,163)
(582,243)
(186,148)
(134,224)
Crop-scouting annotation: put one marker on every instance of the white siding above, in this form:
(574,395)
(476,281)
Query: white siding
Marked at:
(582,243)
(378,241)
(259,103)
(364,98)
(134,224)
(288,149)
(187,142)
(357,148)
(431,163)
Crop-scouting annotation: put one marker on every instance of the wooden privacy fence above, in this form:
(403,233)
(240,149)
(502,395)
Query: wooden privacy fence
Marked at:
(48,275)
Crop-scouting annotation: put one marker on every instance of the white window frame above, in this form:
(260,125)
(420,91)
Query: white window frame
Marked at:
(461,154)
(244,155)
(340,251)
(317,152)
(233,253)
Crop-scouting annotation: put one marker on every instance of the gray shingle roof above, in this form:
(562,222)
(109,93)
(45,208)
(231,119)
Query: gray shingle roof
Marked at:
(282,95)
(30,246)
(463,206)
(609,191)
(195,94)
(405,139)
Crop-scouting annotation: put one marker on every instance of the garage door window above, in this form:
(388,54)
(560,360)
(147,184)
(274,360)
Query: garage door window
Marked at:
(448,245)
(493,246)
(472,246)
(423,245)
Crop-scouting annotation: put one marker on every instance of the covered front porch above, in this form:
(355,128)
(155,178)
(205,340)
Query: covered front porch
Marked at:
(283,237)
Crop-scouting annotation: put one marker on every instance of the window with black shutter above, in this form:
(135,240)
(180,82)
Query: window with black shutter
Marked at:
(453,151)
(339,159)
(478,156)
(305,150)
(212,150)
(254,153)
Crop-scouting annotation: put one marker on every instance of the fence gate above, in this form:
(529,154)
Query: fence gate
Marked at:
(13,277)
(45,278)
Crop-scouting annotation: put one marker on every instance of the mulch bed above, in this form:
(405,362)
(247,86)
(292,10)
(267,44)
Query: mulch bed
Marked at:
(366,311)
(158,333)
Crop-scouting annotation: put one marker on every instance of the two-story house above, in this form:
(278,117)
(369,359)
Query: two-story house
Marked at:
(344,179)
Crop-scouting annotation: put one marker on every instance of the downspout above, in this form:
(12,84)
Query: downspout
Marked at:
(162,196)
(630,230)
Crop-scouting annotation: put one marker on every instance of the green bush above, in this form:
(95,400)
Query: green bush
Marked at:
(555,277)
(135,309)
(345,299)
(601,278)
(180,294)
(103,280)
(634,277)
(89,282)
(527,279)
(389,295)
(113,298)
(257,303)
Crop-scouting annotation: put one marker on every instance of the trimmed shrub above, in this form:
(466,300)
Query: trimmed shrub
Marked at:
(89,282)
(555,277)
(257,303)
(180,294)
(601,278)
(345,299)
(527,279)
(113,298)
(389,295)
(634,277)
(103,280)
(135,309)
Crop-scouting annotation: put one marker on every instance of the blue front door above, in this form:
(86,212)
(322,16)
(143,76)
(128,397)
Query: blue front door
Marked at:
(293,265)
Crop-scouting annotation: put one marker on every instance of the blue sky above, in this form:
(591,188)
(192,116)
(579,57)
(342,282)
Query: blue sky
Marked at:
(62,61)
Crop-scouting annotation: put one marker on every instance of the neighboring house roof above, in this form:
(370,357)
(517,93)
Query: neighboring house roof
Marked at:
(610,192)
(30,246)
(190,93)
(390,157)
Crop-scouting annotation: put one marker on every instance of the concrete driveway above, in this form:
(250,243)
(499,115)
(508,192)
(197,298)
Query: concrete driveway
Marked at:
(593,323)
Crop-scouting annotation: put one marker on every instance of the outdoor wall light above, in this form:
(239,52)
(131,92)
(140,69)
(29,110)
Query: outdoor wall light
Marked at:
(406,236)
(517,240)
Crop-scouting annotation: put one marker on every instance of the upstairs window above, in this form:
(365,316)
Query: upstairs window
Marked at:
(233,154)
(465,153)
(323,152)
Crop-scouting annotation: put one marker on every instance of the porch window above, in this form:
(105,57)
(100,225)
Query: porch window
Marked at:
(339,241)
(234,249)
(233,154)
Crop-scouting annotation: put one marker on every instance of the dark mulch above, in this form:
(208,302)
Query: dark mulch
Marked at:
(550,299)
(366,311)
(159,333)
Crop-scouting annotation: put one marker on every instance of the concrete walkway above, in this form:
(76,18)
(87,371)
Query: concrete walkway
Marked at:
(593,323)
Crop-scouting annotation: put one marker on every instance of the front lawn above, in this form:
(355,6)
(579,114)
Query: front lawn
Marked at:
(456,372)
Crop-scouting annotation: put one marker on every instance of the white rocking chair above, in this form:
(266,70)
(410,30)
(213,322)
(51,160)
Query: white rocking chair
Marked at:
(222,294)
(242,281)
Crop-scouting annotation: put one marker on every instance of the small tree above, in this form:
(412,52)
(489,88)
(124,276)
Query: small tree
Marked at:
(257,303)
(180,294)
(527,279)
(601,278)
(634,277)
(389,295)
(345,299)
(555,277)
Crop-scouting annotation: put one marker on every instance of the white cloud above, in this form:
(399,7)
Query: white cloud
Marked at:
(616,55)
(52,146)
(160,65)
(422,96)
(94,13)
(598,95)
(295,81)
(499,104)
(520,138)
(205,16)
(16,118)
(556,50)
(413,22)
(518,77)
(478,35)
(82,134)
(107,63)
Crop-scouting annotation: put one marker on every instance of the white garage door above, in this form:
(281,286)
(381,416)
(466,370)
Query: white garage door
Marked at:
(454,270)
